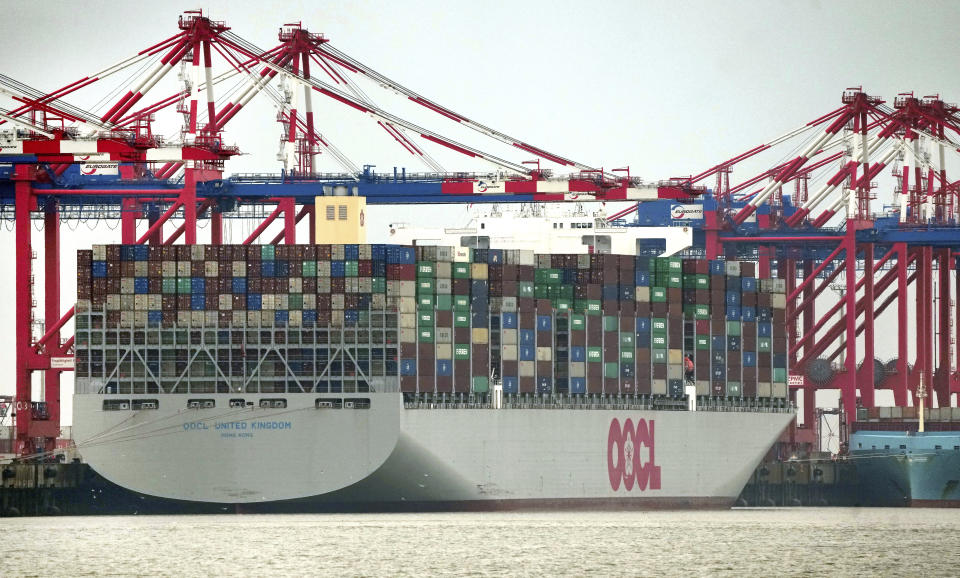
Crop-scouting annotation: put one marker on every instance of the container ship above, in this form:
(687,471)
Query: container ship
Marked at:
(432,376)
(907,459)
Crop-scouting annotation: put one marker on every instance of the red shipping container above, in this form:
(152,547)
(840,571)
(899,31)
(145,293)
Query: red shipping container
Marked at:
(408,383)
(525,273)
(578,338)
(643,385)
(444,384)
(527,384)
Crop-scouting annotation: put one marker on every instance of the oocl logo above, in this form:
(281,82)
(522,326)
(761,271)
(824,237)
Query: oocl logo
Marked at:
(624,452)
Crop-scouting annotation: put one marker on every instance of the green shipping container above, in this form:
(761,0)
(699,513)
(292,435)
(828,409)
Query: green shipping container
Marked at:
(658,340)
(461,319)
(425,335)
(425,319)
(658,294)
(425,301)
(309,268)
(461,270)
(481,384)
(675,281)
(541,292)
(594,307)
(594,354)
(547,276)
(763,344)
(611,369)
(379,285)
(562,304)
(627,340)
(461,351)
(425,286)
(733,389)
(461,303)
(658,355)
(703,282)
(658,326)
(578,322)
(444,302)
(426,269)
(524,289)
(351,268)
(267,252)
(626,356)
(780,374)
(610,323)
(169,285)
(295,301)
(703,342)
(733,328)
(183,285)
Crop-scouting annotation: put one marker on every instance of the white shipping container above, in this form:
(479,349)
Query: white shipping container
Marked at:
(643,295)
(99,252)
(267,318)
(183,268)
(444,335)
(154,301)
(408,288)
(126,285)
(408,320)
(239,268)
(444,286)
(508,336)
(527,368)
(578,369)
(296,318)
(658,387)
(141,268)
(310,301)
(444,350)
(444,270)
(336,252)
(295,285)
(83,305)
(764,389)
(543,353)
(168,268)
(527,257)
(140,302)
(481,335)
(478,271)
(183,318)
(408,335)
(703,387)
(211,268)
(366,252)
(780,390)
(509,304)
(508,352)
(126,303)
(113,302)
(253,318)
(779,301)
(225,302)
(196,252)
(210,318)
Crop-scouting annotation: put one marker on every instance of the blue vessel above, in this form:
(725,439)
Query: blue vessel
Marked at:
(908,468)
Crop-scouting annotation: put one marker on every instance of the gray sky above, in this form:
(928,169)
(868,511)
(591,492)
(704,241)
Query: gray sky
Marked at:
(669,88)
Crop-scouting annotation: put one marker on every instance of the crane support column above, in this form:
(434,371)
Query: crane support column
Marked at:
(23,174)
(51,312)
(848,389)
(901,384)
(941,379)
(866,374)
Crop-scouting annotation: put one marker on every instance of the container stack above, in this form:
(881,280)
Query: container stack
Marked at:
(542,324)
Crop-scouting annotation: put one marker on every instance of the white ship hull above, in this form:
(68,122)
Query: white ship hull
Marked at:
(390,456)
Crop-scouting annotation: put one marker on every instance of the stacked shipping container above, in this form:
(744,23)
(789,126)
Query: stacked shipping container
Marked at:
(564,324)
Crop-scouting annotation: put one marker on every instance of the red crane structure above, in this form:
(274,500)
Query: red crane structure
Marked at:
(159,181)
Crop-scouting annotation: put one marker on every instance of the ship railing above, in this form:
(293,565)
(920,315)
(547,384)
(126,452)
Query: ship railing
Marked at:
(594,402)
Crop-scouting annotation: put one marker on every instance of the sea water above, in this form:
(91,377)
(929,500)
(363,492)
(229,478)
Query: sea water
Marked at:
(740,542)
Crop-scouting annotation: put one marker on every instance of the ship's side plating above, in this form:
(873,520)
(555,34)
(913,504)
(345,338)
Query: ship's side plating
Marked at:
(320,450)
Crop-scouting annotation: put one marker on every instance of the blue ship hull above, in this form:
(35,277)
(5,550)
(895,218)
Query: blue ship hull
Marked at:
(908,468)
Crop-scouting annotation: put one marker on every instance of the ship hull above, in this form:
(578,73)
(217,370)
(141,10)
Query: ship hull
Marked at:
(393,458)
(908,468)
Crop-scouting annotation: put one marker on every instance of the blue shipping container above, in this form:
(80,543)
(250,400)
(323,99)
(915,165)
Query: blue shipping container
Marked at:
(749,358)
(267,269)
(198,302)
(764,329)
(408,367)
(239,285)
(748,284)
(444,367)
(643,325)
(544,385)
(748,313)
(254,301)
(141,285)
(733,298)
(717,342)
(578,385)
(511,384)
(642,278)
(509,320)
(351,252)
(281,317)
(544,323)
(527,353)
(527,337)
(99,269)
(733,313)
(578,353)
(718,267)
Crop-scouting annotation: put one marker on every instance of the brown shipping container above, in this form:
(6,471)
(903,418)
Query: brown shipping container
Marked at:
(527,384)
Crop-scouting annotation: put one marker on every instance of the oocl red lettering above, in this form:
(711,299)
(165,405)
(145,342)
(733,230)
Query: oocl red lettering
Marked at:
(624,465)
